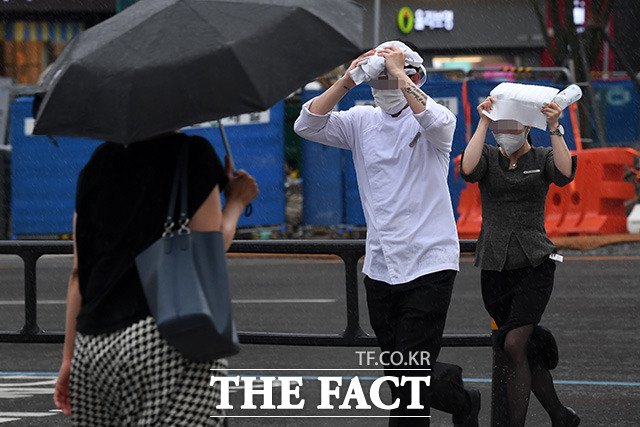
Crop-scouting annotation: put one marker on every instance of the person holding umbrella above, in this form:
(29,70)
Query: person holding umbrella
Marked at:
(401,155)
(155,67)
(517,259)
(116,368)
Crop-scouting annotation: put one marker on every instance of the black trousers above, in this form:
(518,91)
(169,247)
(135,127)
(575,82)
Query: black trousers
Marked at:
(410,318)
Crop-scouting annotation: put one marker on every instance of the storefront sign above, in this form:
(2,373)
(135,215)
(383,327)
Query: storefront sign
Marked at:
(421,20)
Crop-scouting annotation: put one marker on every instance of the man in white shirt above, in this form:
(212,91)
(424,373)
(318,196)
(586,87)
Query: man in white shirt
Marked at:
(401,155)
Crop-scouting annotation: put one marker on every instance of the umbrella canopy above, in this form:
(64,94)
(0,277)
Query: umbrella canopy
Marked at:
(164,64)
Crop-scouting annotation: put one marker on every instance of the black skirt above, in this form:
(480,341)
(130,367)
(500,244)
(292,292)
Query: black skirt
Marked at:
(516,298)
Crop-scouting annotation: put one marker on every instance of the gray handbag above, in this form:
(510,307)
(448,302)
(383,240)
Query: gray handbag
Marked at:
(184,278)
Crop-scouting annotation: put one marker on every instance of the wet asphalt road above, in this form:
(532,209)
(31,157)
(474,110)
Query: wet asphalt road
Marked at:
(593,314)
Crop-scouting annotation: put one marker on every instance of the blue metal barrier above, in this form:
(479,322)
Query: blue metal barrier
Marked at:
(322,180)
(619,104)
(44,177)
(257,145)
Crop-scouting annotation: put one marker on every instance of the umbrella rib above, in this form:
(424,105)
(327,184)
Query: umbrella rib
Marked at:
(137,75)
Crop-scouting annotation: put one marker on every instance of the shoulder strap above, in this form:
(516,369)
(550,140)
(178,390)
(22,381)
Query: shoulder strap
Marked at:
(184,177)
(179,177)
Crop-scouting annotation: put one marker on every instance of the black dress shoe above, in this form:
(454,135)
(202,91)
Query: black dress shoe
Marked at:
(471,420)
(571,419)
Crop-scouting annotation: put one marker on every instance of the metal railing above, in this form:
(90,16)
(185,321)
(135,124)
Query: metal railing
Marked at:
(350,251)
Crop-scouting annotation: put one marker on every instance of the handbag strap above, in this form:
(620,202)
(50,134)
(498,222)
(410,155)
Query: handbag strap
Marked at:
(179,181)
(184,219)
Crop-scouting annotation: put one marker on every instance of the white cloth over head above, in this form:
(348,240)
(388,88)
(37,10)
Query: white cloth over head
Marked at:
(521,102)
(374,65)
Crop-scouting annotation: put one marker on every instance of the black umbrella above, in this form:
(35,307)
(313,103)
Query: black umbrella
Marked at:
(164,64)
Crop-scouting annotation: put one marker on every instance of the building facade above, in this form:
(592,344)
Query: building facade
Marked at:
(460,33)
(34,32)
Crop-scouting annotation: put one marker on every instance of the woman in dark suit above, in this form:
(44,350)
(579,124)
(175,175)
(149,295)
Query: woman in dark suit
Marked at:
(516,256)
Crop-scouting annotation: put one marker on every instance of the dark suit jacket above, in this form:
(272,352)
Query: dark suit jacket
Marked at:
(513,203)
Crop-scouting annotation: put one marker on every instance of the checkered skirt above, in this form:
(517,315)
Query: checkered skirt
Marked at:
(132,377)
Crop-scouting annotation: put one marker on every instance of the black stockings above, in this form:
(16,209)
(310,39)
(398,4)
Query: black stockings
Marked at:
(523,379)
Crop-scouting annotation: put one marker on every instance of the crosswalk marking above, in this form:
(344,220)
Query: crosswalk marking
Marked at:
(26,414)
(21,386)
(26,386)
(6,417)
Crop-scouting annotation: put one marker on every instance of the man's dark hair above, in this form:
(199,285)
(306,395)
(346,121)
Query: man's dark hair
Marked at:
(414,48)
(411,46)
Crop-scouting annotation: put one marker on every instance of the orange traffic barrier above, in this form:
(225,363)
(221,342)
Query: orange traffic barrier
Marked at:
(469,208)
(470,211)
(573,113)
(592,204)
(554,210)
(597,204)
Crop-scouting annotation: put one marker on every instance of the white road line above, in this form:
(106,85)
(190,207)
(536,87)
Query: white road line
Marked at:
(31,383)
(16,393)
(27,376)
(24,386)
(26,414)
(8,420)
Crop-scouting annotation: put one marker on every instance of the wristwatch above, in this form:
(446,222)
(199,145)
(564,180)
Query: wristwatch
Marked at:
(559,131)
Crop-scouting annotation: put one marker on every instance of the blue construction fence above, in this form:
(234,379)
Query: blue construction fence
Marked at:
(619,105)
(44,176)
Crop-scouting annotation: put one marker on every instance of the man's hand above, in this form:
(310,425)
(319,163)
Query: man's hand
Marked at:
(347,77)
(394,59)
(330,97)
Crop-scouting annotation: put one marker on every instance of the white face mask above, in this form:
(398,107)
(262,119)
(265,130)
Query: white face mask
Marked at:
(390,100)
(510,143)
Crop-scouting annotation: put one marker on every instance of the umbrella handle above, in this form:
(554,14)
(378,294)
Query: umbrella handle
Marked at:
(248,210)
(225,141)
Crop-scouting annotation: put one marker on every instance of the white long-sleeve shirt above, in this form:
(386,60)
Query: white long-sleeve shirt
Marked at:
(401,164)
